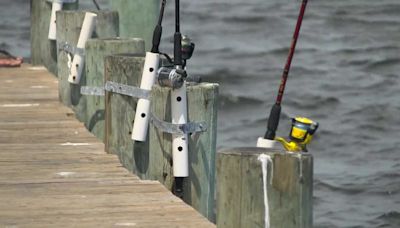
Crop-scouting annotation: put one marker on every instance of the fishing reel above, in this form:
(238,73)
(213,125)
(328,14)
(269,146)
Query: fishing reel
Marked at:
(301,134)
(169,76)
(187,49)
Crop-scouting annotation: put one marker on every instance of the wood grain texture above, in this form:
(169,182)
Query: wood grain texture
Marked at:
(70,24)
(43,50)
(96,51)
(139,24)
(152,159)
(46,181)
(240,197)
(120,112)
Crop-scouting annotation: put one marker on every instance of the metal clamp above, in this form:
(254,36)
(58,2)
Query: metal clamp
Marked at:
(65,46)
(114,87)
(131,91)
(191,127)
(92,91)
(61,1)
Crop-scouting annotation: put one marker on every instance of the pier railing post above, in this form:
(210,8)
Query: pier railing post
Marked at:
(68,30)
(96,51)
(43,50)
(137,18)
(202,106)
(152,160)
(120,112)
(246,175)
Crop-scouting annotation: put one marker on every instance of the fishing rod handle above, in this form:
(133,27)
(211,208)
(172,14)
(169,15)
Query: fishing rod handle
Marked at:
(273,122)
(156,39)
(178,49)
(149,75)
(180,142)
(158,30)
(78,61)
(56,6)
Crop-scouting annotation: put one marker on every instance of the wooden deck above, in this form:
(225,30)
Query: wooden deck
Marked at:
(53,173)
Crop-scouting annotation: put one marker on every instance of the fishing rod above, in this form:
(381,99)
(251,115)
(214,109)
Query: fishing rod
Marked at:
(149,75)
(96,4)
(273,120)
(179,112)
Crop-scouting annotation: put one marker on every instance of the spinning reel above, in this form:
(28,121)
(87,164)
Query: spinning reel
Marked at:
(301,134)
(169,76)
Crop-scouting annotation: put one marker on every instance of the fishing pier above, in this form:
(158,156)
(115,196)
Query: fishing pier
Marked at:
(67,154)
(54,173)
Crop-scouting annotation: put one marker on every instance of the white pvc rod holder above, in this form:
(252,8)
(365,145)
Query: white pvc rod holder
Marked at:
(79,60)
(180,142)
(266,143)
(142,115)
(56,6)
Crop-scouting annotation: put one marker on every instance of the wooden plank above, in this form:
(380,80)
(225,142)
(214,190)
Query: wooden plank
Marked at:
(96,51)
(152,159)
(43,50)
(46,182)
(70,23)
(139,24)
(240,193)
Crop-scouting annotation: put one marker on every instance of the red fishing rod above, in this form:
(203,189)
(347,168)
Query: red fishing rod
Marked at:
(274,116)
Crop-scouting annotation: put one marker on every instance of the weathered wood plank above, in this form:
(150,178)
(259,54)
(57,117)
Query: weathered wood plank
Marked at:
(46,182)
(43,50)
(152,159)
(96,51)
(139,24)
(240,191)
(70,23)
(120,110)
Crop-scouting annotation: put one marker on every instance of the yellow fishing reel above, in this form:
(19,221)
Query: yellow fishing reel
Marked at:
(301,134)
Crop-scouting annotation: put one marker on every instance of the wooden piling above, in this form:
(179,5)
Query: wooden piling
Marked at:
(240,188)
(96,51)
(153,159)
(68,30)
(43,50)
(137,18)
(202,106)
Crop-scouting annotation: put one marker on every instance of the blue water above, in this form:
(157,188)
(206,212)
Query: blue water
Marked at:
(345,75)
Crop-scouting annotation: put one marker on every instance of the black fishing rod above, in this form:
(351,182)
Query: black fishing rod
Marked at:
(158,29)
(96,4)
(179,112)
(274,116)
(149,75)
(177,38)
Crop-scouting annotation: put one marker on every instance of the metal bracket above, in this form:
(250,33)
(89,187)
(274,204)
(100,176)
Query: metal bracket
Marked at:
(114,87)
(61,1)
(65,46)
(92,91)
(131,91)
(191,127)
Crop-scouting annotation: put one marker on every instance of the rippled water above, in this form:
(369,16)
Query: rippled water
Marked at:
(345,75)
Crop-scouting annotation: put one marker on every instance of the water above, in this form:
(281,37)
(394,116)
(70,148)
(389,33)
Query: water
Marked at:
(345,75)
